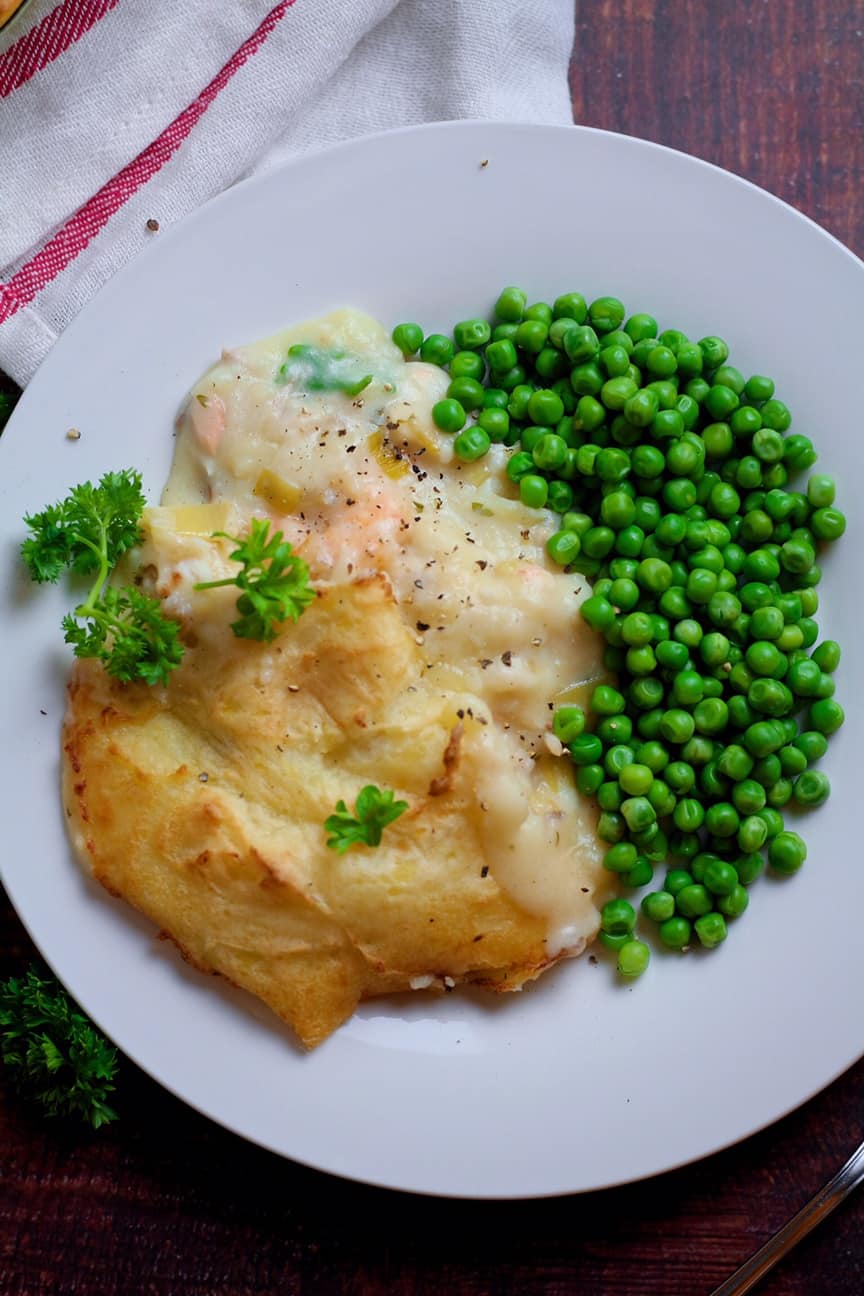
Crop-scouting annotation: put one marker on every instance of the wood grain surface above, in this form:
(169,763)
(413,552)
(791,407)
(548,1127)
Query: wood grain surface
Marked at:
(165,1202)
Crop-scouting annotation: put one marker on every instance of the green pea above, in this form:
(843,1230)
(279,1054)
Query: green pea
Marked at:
(472,333)
(694,900)
(792,761)
(568,722)
(752,834)
(722,819)
(826,715)
(776,415)
(587,380)
(720,402)
(517,405)
(586,749)
(589,414)
(589,779)
(448,415)
(767,770)
(828,523)
(641,409)
(408,338)
(689,632)
(549,451)
(624,594)
(545,406)
(518,465)
(720,878)
(500,356)
(617,916)
(533,490)
(749,867)
(436,349)
(680,777)
(468,364)
(531,336)
(761,738)
(581,344)
(494,398)
(786,852)
(560,498)
(804,677)
(640,327)
(676,880)
(684,846)
(827,655)
(773,821)
(677,726)
(779,793)
(467,391)
(688,815)
(607,701)
(550,364)
(641,874)
(471,444)
(812,743)
(630,541)
(606,314)
(636,779)
(711,929)
(734,904)
(505,332)
(511,304)
(675,933)
(633,958)
(748,796)
(598,612)
(616,392)
(811,788)
(759,388)
(614,729)
(495,423)
(621,857)
(658,906)
(617,510)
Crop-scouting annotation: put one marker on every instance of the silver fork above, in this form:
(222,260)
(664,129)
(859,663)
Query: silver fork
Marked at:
(745,1278)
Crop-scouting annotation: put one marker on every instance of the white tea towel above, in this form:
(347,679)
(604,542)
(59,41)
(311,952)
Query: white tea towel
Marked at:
(113,112)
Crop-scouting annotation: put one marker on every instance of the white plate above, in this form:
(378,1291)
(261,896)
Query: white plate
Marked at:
(580,1082)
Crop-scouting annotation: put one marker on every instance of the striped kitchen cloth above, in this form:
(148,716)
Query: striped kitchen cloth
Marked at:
(120,115)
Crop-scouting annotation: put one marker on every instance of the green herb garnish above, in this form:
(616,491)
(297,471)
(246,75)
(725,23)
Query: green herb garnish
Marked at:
(312,368)
(52,1052)
(274,582)
(374,810)
(87,533)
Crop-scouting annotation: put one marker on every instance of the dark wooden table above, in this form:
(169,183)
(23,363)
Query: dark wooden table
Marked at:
(166,1203)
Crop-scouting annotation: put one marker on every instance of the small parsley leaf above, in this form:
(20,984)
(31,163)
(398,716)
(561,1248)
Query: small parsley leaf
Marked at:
(274,582)
(374,810)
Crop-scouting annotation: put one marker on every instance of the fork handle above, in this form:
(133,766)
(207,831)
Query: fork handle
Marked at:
(745,1278)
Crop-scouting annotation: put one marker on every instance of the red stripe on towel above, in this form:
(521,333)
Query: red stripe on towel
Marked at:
(87,222)
(49,39)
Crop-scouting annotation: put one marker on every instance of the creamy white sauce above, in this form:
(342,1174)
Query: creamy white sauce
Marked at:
(366,485)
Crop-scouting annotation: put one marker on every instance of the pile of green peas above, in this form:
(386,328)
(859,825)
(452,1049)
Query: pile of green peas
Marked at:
(672,475)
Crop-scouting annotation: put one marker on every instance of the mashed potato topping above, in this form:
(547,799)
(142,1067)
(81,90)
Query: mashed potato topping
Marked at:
(440,642)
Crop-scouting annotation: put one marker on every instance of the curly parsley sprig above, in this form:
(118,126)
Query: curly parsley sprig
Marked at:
(274,582)
(87,533)
(52,1052)
(374,810)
